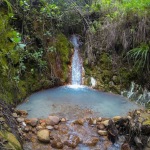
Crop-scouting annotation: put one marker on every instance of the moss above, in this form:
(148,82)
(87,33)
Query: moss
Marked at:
(13,143)
(105,61)
(63,49)
(106,76)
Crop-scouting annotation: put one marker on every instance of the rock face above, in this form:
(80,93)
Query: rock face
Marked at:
(72,141)
(43,135)
(52,120)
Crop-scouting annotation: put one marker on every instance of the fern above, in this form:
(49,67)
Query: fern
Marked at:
(140,57)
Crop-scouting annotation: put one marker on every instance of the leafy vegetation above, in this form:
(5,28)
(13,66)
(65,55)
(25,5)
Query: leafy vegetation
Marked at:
(35,52)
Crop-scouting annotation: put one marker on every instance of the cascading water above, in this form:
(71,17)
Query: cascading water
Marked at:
(76,73)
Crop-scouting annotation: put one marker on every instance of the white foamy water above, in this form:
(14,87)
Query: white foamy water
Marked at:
(76,73)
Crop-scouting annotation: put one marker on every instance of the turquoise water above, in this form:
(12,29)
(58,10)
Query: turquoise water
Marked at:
(76,102)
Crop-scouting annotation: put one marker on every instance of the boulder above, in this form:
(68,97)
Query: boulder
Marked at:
(52,120)
(43,135)
(102,132)
(73,141)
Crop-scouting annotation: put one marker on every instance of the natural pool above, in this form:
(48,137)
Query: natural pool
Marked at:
(73,102)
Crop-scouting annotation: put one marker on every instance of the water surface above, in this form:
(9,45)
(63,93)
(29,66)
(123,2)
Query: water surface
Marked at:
(76,102)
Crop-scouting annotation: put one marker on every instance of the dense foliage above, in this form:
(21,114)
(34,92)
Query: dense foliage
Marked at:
(35,52)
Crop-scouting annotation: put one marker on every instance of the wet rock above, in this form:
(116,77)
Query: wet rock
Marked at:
(105,122)
(102,132)
(73,141)
(14,115)
(125,146)
(56,127)
(49,127)
(21,112)
(39,128)
(116,118)
(20,120)
(92,121)
(99,119)
(56,143)
(91,142)
(112,131)
(26,129)
(52,120)
(101,126)
(79,121)
(32,122)
(43,135)
(63,120)
(148,143)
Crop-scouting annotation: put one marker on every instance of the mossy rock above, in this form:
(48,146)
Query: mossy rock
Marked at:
(13,143)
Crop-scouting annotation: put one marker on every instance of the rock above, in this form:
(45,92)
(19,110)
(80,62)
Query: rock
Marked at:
(125,146)
(112,131)
(91,142)
(116,118)
(56,127)
(102,132)
(93,82)
(73,141)
(2,119)
(105,122)
(52,120)
(63,120)
(101,126)
(26,129)
(129,117)
(79,122)
(39,128)
(14,115)
(24,124)
(32,122)
(49,127)
(56,143)
(20,120)
(43,135)
(92,121)
(99,119)
(138,112)
(21,112)
(148,142)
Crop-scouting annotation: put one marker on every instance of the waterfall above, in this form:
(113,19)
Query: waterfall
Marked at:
(76,72)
